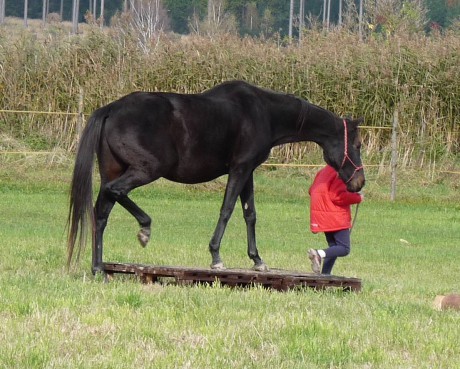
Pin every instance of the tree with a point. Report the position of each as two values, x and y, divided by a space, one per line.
218 20
26 8
388 17
144 21
443 12
251 17
180 13
2 11
75 11
266 25
45 10
102 13
246 16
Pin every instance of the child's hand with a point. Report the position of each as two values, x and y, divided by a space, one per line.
362 196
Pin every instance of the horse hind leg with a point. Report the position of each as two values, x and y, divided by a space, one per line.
142 218
249 214
102 209
119 189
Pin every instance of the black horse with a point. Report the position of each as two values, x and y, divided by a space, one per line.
229 129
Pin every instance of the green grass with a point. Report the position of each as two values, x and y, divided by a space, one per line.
405 252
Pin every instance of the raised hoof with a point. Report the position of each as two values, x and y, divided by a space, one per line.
144 236
219 266
260 268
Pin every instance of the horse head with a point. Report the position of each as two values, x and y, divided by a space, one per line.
343 154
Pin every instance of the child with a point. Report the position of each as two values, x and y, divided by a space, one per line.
330 212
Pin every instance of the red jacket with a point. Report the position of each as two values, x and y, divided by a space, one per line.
330 202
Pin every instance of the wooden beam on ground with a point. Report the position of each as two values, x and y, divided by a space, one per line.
278 279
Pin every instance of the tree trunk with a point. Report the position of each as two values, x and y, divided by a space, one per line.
45 7
291 16
324 12
340 12
94 9
2 11
209 11
102 13
75 11
301 18
26 6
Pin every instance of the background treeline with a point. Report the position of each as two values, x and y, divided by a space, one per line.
251 16
417 76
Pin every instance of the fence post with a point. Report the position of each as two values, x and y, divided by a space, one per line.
394 153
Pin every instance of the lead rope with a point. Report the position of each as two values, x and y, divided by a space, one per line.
354 218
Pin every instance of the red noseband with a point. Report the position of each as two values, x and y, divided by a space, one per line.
345 153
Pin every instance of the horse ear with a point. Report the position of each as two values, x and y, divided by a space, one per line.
356 122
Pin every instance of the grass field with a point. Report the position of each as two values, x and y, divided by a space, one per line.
406 252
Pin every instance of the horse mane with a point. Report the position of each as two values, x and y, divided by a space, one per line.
304 106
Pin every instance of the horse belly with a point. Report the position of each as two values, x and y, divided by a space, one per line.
197 171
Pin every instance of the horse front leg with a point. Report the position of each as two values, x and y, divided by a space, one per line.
236 180
249 213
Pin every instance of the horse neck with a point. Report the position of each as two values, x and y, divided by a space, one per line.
318 123
284 118
298 120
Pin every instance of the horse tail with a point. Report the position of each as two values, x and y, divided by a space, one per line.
81 213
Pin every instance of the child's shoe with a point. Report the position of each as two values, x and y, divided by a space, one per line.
315 261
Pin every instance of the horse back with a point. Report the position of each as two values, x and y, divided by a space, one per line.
189 138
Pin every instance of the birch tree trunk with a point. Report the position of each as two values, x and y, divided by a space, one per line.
301 18
340 12
291 16
26 6
102 13
45 8
2 11
75 11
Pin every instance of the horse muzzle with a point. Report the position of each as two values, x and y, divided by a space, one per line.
356 182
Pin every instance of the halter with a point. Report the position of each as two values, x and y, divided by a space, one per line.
345 153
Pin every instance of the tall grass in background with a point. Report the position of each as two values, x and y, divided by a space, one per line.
418 76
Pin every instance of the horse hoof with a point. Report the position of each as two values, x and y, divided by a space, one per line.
95 270
144 236
219 266
260 268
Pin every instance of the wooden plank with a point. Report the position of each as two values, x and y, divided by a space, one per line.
277 279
